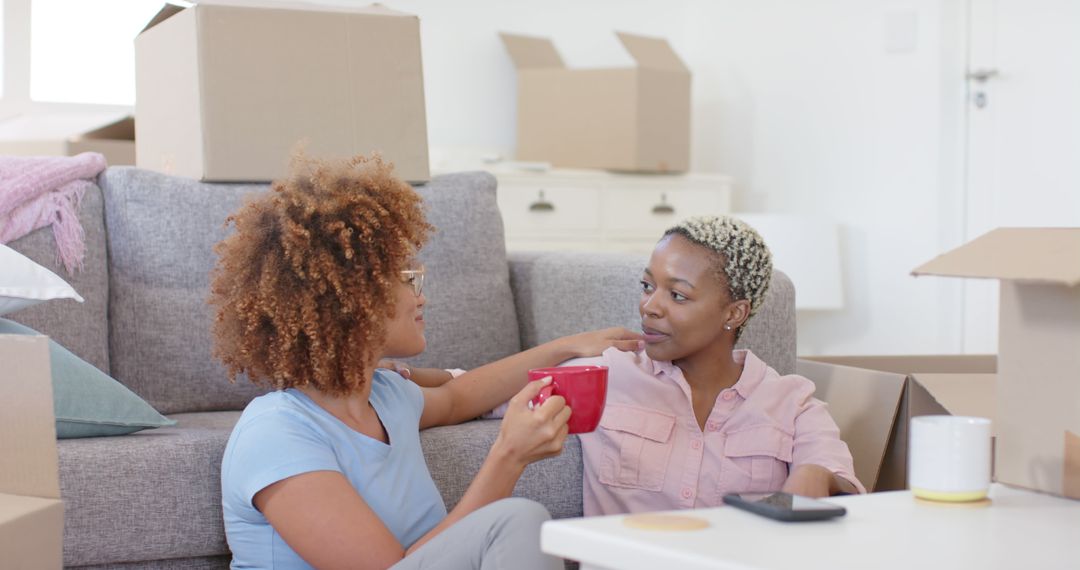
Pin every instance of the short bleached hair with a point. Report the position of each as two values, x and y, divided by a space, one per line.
742 260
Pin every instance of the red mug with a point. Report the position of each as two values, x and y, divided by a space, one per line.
583 387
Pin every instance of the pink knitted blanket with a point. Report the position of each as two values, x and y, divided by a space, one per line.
36 191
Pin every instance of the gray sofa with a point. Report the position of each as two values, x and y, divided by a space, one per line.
151 499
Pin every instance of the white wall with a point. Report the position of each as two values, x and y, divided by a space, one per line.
804 103
801 102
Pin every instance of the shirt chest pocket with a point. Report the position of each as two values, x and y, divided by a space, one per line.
637 445
755 460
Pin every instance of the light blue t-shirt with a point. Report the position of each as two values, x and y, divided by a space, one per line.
284 433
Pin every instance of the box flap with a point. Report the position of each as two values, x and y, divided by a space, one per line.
31 532
27 424
1072 465
912 364
864 404
306 6
530 52
120 130
55 126
652 53
963 394
171 9
167 11
1026 254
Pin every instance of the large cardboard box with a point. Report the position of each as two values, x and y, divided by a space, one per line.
31 514
227 90
68 134
873 398
633 119
1038 391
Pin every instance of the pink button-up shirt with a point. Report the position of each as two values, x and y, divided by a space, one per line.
650 454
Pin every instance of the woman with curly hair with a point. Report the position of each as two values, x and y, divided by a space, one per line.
691 418
318 282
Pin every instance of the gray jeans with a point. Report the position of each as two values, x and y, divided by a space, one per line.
504 534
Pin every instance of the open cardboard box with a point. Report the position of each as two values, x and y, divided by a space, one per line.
1038 390
31 513
68 134
632 119
227 90
873 398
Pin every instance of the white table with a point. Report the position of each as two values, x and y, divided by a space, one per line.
1019 530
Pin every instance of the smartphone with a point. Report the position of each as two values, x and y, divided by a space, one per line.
787 507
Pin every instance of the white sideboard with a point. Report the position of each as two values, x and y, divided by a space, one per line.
598 210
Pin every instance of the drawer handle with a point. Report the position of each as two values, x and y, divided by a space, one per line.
663 208
541 204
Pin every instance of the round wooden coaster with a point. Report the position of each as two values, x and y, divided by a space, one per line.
980 503
665 522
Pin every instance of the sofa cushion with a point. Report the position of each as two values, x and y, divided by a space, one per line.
149 495
157 494
162 230
80 327
24 283
86 401
470 308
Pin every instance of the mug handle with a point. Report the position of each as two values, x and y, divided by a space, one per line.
544 394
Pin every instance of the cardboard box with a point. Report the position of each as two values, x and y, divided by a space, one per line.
31 514
68 134
1038 392
633 119
227 91
873 398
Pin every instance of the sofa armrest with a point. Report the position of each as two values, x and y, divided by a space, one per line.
561 293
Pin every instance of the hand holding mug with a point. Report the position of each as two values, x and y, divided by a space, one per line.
583 387
533 432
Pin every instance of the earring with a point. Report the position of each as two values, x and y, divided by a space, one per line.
727 327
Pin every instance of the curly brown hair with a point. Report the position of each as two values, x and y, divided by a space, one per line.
304 288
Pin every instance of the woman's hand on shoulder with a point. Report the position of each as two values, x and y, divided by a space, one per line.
399 367
426 377
594 343
531 433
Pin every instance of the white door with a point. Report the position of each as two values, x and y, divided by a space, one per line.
1023 110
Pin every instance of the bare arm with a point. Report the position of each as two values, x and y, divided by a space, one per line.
484 388
322 517
811 480
424 377
324 520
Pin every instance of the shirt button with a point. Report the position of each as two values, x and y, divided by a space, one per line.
686 493
728 395
695 444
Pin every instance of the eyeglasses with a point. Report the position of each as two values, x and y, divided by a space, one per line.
415 278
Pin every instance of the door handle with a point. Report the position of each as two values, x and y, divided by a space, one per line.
982 75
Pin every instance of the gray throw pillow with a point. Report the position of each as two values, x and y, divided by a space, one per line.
88 402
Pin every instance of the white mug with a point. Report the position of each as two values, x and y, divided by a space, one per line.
949 458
